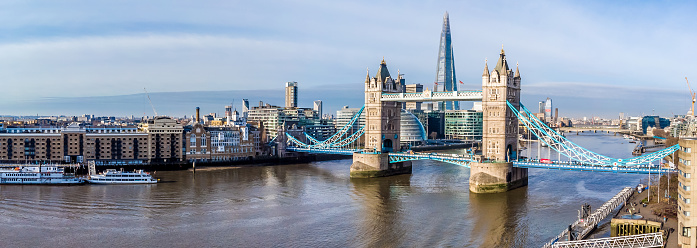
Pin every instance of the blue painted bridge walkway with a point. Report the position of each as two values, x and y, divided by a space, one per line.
465 160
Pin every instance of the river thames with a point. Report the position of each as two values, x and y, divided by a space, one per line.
311 205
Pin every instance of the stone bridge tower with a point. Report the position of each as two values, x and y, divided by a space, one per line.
495 172
381 118
382 130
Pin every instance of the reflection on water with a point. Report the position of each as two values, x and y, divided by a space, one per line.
495 219
379 216
308 205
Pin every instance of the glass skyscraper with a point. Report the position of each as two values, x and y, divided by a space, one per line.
445 76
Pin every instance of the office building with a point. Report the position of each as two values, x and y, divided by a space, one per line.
463 124
412 132
317 106
548 110
653 121
344 116
322 129
273 117
445 74
291 94
245 108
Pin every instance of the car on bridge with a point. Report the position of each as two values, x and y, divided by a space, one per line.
545 161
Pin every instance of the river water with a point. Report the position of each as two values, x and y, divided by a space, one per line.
310 205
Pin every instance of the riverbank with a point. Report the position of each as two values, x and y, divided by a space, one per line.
254 162
634 204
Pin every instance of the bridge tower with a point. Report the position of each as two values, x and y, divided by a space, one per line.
382 120
495 173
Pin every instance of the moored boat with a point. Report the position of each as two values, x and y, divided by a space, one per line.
112 176
37 174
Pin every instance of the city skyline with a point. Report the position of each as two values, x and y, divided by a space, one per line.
632 59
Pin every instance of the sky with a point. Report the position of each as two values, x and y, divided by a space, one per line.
593 58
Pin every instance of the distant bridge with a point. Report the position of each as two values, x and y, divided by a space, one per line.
608 129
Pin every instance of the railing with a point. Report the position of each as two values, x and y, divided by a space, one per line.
457 159
324 151
640 240
591 167
592 220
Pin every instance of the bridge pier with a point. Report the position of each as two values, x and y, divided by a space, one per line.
369 165
496 177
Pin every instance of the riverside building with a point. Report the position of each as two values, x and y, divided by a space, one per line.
463 124
156 141
222 143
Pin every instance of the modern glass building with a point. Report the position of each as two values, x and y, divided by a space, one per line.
548 110
411 131
463 124
654 121
445 74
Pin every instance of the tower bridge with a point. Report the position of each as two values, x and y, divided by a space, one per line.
375 147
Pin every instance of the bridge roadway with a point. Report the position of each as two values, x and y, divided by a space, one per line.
464 160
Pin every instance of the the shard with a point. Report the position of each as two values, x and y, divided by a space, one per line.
445 76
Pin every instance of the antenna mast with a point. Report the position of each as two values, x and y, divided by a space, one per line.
153 106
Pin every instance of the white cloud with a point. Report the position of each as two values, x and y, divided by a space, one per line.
75 48
122 65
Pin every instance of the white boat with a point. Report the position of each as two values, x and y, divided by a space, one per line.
36 174
112 176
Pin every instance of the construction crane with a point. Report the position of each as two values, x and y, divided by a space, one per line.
153 106
692 92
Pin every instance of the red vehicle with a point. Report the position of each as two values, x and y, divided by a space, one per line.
545 161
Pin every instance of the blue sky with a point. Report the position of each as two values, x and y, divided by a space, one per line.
593 58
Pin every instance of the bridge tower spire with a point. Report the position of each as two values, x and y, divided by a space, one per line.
382 129
495 172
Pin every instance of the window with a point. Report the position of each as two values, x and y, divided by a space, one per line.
193 140
686 213
687 175
203 139
686 231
